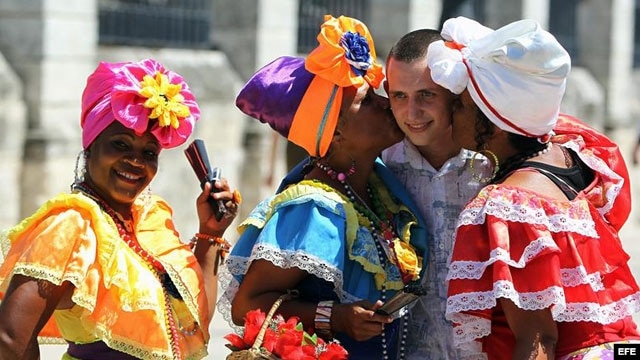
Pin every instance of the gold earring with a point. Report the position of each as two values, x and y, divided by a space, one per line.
486 153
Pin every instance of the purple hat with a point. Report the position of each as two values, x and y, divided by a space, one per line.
287 77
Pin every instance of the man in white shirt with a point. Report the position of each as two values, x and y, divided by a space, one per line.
437 174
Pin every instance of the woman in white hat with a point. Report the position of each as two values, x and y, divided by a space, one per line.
537 269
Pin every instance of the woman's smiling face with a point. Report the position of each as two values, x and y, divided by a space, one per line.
121 164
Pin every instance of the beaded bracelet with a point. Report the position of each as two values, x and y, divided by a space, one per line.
322 320
213 240
217 241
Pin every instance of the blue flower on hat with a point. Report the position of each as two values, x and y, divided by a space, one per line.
357 52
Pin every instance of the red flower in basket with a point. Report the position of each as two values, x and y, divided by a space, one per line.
285 339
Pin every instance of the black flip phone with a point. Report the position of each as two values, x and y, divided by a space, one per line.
197 155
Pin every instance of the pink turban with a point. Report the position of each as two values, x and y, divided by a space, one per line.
135 94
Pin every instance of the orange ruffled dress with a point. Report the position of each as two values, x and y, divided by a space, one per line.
118 297
542 253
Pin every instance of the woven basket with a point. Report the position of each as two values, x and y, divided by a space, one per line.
256 352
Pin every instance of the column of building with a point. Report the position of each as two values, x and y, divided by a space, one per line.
51 46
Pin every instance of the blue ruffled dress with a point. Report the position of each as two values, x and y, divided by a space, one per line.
313 227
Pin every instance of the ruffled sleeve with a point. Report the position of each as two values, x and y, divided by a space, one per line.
538 253
70 239
55 244
317 214
312 227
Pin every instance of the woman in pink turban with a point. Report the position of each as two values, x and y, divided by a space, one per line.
103 267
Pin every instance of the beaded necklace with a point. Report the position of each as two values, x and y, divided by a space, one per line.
512 163
156 266
382 241
127 235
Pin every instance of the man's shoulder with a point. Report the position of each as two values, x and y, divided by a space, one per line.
393 152
403 152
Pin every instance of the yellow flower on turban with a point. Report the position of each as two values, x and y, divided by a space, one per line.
164 100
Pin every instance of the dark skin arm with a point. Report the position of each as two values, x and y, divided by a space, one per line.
265 282
25 309
209 255
535 331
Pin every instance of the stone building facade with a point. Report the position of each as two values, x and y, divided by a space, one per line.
48 47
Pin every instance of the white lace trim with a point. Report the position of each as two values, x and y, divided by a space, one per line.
508 211
228 287
504 289
579 276
601 314
469 329
235 265
474 269
472 327
569 277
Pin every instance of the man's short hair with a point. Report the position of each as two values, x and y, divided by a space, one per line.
413 45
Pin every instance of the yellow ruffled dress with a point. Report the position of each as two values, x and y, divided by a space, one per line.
118 297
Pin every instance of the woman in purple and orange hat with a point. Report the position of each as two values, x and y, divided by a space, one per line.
341 231
103 267
537 270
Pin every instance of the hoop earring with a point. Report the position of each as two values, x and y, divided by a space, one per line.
486 153
81 168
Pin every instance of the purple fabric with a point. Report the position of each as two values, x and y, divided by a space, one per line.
273 93
96 351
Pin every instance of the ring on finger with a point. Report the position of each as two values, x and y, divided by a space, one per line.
237 197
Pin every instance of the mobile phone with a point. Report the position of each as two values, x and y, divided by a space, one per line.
196 153
401 299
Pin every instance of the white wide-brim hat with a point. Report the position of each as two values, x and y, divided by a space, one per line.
516 74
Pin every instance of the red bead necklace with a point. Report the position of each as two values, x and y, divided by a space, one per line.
127 236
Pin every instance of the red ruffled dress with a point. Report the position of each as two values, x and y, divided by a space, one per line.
542 253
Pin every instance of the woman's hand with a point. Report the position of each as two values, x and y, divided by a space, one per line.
206 215
359 319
